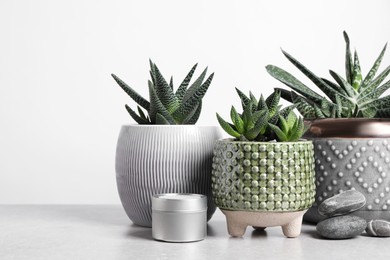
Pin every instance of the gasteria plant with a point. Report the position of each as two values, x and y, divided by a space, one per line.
165 106
349 97
263 120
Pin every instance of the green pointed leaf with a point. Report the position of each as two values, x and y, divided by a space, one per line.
226 126
194 86
141 113
253 98
171 83
348 60
285 112
190 103
195 116
376 93
348 89
157 107
357 73
244 99
165 92
304 106
336 87
180 92
272 102
283 124
137 118
289 80
132 93
261 105
291 119
330 92
258 128
383 113
161 120
318 112
152 72
297 131
247 116
279 133
371 74
237 121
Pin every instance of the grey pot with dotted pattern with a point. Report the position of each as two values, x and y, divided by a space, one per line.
353 163
263 184
352 153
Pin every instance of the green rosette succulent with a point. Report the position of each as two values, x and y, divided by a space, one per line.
166 106
263 120
352 96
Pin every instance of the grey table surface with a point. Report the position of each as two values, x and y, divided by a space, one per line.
104 232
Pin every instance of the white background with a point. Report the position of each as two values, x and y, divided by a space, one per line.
61 111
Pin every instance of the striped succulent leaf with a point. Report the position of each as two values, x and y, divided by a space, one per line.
353 96
166 106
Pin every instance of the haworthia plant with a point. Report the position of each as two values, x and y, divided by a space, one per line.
352 96
263 120
165 106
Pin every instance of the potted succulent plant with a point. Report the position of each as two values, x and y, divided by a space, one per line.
265 175
350 129
166 152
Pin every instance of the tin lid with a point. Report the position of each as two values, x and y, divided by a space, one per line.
179 202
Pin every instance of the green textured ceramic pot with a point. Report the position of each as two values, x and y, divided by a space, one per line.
263 177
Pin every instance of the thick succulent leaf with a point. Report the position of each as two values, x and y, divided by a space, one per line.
369 112
161 120
383 113
371 74
152 72
253 98
329 91
297 131
190 103
272 102
258 115
165 92
326 109
318 112
237 121
244 99
287 110
141 113
357 73
351 92
348 60
377 81
376 93
171 83
335 87
381 103
289 80
285 94
194 86
137 118
247 116
180 92
261 105
304 106
279 133
339 107
291 119
157 107
258 128
193 118
227 127
283 124
132 93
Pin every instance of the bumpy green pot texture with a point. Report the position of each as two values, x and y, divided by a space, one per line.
263 176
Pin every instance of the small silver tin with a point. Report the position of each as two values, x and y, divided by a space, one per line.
179 217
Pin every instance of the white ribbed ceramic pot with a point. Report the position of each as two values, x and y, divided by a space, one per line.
155 159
